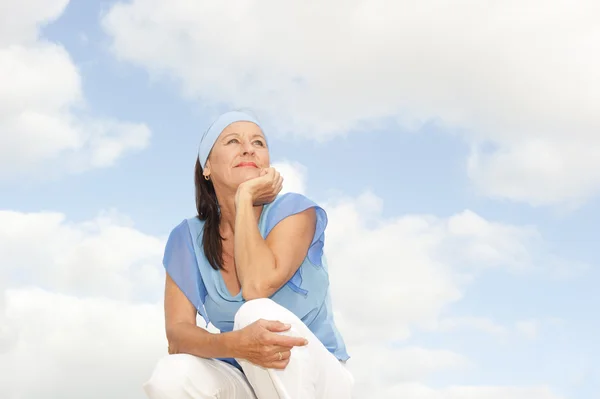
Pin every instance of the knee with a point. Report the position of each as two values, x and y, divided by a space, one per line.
169 377
262 308
175 376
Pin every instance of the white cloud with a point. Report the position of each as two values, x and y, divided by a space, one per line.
427 262
294 176
42 121
414 268
80 306
21 19
529 329
420 391
79 347
473 323
85 291
403 364
522 82
101 257
377 368
541 170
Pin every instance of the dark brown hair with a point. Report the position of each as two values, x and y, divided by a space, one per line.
208 211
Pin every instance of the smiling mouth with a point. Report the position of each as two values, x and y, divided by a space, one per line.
246 165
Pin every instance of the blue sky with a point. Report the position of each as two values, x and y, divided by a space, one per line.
512 265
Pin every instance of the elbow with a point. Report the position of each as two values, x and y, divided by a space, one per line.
255 290
173 347
253 295
173 333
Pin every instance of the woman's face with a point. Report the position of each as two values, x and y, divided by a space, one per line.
238 155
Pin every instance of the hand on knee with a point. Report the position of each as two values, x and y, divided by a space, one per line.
262 343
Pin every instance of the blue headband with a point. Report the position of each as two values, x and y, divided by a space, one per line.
208 139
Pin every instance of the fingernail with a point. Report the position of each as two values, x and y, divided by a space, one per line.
305 342
287 325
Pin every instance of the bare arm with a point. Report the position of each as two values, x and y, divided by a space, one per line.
183 335
265 265
259 342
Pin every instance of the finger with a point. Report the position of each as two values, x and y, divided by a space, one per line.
277 190
286 353
286 340
276 326
271 176
279 184
273 351
276 177
276 181
270 171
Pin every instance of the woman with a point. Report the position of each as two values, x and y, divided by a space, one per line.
251 263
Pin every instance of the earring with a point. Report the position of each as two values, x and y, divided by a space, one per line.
206 177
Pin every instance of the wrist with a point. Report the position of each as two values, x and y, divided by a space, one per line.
242 195
230 341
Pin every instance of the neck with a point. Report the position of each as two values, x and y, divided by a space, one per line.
228 212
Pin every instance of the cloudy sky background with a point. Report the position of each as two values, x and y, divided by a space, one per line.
455 145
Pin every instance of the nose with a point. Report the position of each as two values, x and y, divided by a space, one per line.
247 148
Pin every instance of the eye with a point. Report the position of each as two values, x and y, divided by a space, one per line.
259 142
233 141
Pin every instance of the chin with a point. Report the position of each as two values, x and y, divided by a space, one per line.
248 174
246 178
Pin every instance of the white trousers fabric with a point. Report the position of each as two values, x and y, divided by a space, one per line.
312 373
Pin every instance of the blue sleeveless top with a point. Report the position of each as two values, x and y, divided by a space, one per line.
306 294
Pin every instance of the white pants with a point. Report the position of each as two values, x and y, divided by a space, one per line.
313 372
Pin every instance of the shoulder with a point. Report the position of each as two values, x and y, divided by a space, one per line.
185 230
184 241
178 234
181 228
292 202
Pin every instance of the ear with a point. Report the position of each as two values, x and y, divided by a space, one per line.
206 169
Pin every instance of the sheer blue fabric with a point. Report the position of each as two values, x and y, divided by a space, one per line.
180 263
291 204
306 294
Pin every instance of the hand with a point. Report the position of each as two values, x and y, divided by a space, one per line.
262 189
260 344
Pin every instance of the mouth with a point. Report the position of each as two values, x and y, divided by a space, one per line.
246 165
